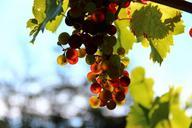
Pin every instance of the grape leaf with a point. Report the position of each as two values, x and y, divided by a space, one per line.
168 17
137 117
160 48
139 82
159 112
48 14
147 22
125 37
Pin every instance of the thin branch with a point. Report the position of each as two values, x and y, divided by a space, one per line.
178 4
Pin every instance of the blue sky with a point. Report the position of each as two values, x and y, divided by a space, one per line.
19 59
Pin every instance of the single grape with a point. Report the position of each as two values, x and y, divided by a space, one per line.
126 4
111 105
126 73
75 41
82 52
94 102
63 38
121 51
125 81
98 16
105 95
90 59
61 60
73 61
111 29
120 96
71 54
112 7
95 88
115 82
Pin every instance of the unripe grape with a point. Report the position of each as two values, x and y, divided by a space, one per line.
95 88
71 54
121 51
115 61
111 105
125 81
63 38
82 52
94 102
61 60
90 59
190 32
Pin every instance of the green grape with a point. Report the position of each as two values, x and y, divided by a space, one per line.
121 51
115 61
90 59
63 38
109 40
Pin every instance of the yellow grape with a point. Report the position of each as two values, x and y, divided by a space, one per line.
94 102
61 60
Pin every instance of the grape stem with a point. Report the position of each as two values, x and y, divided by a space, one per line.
177 4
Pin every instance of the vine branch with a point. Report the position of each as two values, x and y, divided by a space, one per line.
178 4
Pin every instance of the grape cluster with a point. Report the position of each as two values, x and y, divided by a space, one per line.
94 38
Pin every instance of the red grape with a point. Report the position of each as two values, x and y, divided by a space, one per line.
95 88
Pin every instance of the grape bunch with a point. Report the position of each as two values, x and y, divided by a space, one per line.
93 38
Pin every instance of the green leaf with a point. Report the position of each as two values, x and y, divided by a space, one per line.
49 14
138 83
147 22
159 112
160 48
137 117
39 7
32 23
138 75
125 36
